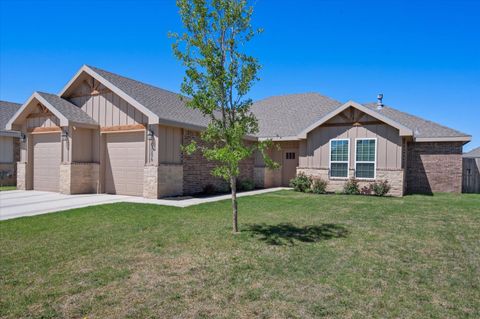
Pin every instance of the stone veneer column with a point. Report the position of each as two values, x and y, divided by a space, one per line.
22 176
162 181
150 181
79 178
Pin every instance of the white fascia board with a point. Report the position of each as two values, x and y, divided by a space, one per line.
444 139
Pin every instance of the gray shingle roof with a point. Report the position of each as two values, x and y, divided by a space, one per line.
71 112
167 105
473 153
7 110
278 116
422 128
288 115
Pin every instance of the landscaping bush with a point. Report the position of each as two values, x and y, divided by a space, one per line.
301 183
319 186
380 188
209 189
351 187
245 185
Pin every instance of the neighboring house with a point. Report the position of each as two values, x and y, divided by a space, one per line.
471 171
109 134
9 145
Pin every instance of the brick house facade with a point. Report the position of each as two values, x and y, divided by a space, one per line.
106 133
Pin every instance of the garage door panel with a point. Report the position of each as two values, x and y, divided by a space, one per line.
125 154
46 162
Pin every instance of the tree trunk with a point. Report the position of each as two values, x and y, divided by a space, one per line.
233 186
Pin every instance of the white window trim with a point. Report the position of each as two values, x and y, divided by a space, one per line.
367 162
330 159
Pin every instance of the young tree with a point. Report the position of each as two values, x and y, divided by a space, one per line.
217 79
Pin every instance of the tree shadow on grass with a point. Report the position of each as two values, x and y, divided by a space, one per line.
287 234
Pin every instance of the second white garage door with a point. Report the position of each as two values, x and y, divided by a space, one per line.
46 162
125 160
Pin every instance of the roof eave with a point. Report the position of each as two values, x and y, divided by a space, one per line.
465 139
279 138
35 95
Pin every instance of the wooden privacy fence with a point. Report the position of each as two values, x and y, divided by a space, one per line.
471 175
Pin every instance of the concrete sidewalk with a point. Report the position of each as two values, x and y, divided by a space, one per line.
17 203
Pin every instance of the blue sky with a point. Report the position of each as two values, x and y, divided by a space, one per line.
423 55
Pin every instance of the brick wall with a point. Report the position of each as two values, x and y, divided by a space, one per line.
197 170
434 167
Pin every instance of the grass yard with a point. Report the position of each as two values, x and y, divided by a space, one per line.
7 188
298 256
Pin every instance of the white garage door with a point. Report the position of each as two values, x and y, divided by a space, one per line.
46 162
125 160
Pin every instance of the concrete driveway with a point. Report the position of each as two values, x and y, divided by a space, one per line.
28 203
15 204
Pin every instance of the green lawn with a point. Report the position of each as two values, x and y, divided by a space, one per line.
298 256
7 188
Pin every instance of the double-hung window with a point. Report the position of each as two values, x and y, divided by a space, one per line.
339 156
365 158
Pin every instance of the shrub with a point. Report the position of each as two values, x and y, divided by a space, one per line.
319 186
380 188
245 185
209 189
351 187
301 183
366 190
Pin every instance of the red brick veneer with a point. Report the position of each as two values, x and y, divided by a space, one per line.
434 167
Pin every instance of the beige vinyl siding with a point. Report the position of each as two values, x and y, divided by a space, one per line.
169 145
6 149
82 145
107 108
47 121
314 152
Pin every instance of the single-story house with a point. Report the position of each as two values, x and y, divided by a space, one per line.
471 171
105 133
9 145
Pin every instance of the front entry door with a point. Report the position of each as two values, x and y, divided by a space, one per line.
289 165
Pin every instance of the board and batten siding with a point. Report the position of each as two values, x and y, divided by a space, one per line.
106 107
83 145
315 150
6 149
45 121
169 144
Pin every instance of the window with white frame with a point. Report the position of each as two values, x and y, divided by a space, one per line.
339 155
365 158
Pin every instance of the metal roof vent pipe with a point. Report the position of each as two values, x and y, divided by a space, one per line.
379 101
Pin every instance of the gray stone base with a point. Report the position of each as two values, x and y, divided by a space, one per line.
79 178
163 181
394 177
